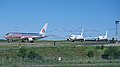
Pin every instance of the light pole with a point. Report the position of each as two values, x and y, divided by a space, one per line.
116 22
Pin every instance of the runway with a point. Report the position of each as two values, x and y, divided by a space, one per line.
61 43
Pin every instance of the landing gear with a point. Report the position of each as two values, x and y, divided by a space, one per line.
72 40
106 40
23 41
31 41
82 40
10 40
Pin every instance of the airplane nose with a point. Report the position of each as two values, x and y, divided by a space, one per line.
5 36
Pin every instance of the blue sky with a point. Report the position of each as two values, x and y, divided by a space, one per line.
65 17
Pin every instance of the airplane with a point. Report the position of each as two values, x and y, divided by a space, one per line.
80 37
31 37
102 38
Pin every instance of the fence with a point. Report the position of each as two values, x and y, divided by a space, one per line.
23 62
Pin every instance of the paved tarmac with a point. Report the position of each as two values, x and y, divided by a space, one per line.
63 43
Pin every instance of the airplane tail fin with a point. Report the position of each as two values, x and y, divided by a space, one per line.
81 33
43 30
106 33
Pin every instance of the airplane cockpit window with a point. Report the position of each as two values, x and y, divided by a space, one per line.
8 34
71 36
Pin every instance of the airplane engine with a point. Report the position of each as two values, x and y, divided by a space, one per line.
30 39
68 39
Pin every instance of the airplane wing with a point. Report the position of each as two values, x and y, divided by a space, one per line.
91 37
31 38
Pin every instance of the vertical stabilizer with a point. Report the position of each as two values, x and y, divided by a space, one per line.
43 30
82 33
106 33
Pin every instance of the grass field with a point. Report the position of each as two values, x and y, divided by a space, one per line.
48 52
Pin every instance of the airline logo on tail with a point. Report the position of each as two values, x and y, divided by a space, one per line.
43 30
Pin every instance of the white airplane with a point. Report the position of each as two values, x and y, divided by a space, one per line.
12 36
80 37
102 38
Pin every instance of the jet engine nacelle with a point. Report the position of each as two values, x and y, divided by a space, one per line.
30 39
